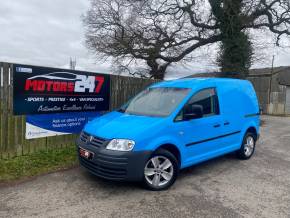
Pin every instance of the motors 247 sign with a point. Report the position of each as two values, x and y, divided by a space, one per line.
41 90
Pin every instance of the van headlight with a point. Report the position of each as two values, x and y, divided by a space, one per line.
120 145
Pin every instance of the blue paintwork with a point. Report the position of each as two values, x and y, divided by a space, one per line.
237 98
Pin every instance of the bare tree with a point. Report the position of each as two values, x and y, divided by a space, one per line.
233 19
136 30
161 32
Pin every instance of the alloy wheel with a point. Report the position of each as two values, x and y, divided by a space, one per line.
249 146
158 171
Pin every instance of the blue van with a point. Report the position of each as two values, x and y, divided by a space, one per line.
169 126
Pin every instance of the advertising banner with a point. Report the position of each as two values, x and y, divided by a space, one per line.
42 90
44 125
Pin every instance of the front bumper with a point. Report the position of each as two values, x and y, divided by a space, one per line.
114 165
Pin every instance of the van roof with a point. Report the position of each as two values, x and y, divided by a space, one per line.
193 82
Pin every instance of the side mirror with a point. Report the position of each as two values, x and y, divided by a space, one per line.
193 112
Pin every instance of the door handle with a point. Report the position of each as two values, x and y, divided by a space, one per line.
217 125
226 123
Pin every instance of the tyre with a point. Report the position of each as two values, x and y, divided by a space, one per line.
248 146
160 171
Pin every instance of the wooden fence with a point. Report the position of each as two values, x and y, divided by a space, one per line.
12 130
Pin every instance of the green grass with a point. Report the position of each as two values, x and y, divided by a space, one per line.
37 163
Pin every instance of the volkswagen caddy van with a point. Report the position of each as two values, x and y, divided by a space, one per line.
169 126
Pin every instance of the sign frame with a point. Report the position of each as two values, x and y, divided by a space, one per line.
46 90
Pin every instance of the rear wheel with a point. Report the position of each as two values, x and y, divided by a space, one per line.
248 147
160 171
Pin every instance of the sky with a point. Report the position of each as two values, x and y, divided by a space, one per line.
49 32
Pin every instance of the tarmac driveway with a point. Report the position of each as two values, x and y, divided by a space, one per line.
224 187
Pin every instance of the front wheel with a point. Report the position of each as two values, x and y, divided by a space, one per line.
160 171
248 147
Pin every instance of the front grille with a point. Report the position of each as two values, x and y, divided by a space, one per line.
96 141
105 171
84 137
92 140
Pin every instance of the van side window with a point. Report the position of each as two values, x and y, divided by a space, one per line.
208 99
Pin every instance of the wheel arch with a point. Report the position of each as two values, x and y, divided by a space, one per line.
252 130
172 149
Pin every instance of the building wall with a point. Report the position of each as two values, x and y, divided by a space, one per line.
277 97
271 88
262 86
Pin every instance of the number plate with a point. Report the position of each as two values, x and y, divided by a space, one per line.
86 154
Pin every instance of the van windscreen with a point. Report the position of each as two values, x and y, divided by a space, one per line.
160 101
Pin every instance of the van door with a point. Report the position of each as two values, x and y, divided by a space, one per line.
203 137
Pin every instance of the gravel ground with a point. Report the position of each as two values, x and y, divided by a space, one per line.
223 187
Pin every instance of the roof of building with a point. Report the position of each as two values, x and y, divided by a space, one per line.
268 71
212 74
192 82
252 72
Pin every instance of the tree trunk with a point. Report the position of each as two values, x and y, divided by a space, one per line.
236 49
157 71
236 54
